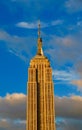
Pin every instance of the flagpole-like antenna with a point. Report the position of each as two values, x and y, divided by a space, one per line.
39 28
39 51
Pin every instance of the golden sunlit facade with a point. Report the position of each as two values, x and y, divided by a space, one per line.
40 102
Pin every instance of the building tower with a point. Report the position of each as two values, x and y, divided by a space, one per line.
40 102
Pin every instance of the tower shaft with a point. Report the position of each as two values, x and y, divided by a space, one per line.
40 96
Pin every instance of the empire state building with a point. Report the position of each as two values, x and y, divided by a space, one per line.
40 101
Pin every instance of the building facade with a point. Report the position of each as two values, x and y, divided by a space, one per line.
40 102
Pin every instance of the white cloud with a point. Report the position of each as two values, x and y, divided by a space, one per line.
26 25
34 25
70 77
15 96
64 75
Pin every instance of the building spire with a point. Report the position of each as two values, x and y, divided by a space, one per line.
39 29
39 51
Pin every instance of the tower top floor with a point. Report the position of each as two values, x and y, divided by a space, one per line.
39 58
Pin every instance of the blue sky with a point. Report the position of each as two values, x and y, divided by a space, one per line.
61 31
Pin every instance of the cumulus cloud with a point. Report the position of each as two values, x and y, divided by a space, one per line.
69 107
13 106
